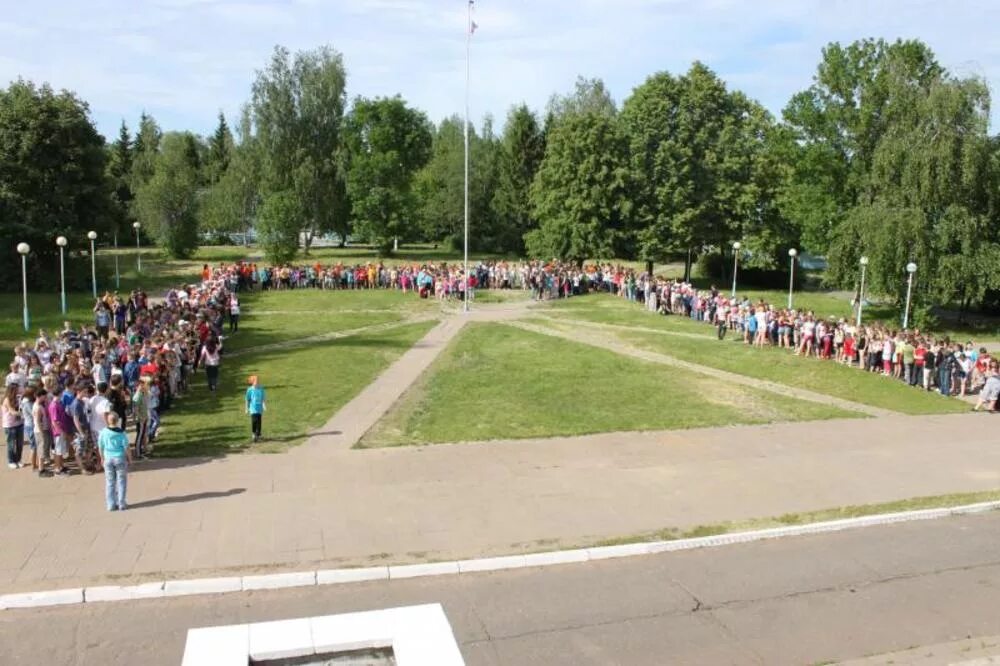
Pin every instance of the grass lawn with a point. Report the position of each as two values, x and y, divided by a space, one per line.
275 316
305 387
496 381
605 309
783 367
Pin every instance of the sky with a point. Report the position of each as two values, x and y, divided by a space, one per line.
184 61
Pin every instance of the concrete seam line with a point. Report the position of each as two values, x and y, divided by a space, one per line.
283 580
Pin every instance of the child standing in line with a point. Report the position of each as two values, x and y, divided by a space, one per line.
255 406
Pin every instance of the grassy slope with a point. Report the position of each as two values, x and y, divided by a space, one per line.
496 381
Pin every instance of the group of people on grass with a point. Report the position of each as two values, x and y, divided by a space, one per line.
916 358
90 398
441 280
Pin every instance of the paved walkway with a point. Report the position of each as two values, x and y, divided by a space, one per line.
325 504
596 338
331 506
807 600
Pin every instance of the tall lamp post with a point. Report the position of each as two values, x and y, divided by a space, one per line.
736 264
792 253
23 249
861 294
138 250
911 268
61 242
92 235
118 279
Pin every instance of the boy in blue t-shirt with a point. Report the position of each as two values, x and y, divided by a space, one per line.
255 406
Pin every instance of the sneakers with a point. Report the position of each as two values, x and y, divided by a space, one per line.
11 465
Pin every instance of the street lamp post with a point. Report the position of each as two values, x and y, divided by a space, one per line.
23 249
736 264
792 253
61 242
911 268
92 235
861 294
118 279
138 250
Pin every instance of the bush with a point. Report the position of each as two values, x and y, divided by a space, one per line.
720 268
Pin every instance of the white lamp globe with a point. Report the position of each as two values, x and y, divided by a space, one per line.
61 241
736 245
793 252
92 235
911 267
864 261
23 248
136 225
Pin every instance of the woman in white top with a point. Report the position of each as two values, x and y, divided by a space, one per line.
211 357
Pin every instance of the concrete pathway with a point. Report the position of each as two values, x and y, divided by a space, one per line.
325 505
807 600
597 338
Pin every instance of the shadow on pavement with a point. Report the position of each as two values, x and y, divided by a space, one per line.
193 497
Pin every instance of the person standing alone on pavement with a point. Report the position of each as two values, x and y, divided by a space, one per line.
115 458
255 406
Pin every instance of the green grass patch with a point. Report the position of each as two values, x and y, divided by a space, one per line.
604 309
783 367
807 517
496 381
305 387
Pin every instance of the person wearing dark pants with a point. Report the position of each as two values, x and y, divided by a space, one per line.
255 406
211 356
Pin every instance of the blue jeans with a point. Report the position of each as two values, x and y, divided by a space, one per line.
115 482
944 381
15 443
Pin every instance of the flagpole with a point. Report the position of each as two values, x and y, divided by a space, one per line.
468 48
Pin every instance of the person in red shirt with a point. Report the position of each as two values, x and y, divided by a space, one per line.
848 357
919 356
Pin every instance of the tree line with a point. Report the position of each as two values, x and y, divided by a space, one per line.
886 155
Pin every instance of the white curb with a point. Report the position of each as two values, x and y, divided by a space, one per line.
336 576
278 581
47 598
180 588
419 570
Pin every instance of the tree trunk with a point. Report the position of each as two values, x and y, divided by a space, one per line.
687 267
649 268
308 241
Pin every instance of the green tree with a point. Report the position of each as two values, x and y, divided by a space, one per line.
298 107
439 187
838 123
698 168
387 143
120 174
230 205
519 155
167 203
580 193
930 197
220 151
53 177
144 151
278 227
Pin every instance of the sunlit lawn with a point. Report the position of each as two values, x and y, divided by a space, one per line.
783 367
305 386
496 381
